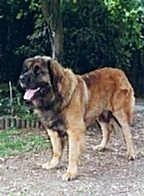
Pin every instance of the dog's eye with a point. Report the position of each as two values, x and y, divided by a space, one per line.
36 69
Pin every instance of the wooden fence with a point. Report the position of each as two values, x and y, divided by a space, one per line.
15 122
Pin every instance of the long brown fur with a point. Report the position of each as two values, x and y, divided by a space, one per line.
84 99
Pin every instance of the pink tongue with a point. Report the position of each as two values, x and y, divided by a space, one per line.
30 93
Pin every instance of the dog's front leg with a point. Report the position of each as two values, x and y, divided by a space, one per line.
76 139
57 150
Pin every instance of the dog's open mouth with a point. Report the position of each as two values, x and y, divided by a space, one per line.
29 94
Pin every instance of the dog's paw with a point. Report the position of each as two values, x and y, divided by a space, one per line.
69 176
52 164
131 156
48 166
99 148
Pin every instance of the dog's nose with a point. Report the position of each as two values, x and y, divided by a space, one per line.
22 81
21 78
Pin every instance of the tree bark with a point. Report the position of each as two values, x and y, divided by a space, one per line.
52 14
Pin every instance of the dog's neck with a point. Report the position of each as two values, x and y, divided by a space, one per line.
68 88
44 105
52 120
50 114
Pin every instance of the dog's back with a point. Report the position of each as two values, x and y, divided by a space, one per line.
111 100
109 89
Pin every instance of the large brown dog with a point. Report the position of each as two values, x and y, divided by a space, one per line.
67 103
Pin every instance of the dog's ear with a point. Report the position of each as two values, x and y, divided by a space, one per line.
56 74
26 64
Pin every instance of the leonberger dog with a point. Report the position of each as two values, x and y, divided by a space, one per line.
68 103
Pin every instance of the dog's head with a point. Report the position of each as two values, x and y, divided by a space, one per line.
41 77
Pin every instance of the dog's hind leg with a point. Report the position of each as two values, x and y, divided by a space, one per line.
56 142
122 118
105 136
104 122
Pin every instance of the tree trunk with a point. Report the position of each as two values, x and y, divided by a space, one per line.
52 14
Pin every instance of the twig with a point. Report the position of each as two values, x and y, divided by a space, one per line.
11 96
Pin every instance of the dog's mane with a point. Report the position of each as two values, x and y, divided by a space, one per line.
69 86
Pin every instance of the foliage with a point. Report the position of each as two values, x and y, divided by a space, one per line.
37 41
97 33
18 107
14 20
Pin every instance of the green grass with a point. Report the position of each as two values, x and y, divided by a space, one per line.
14 142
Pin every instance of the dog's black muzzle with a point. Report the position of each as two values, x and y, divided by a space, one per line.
27 81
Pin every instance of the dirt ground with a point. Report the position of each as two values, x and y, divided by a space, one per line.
101 174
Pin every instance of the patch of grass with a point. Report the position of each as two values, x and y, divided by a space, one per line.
14 142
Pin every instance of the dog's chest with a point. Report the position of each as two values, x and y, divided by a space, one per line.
52 120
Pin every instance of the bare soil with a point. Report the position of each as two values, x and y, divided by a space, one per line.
105 173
